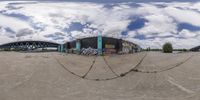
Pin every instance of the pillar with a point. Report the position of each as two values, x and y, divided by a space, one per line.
61 48
99 44
66 47
78 46
58 48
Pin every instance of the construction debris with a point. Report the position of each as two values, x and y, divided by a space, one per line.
89 51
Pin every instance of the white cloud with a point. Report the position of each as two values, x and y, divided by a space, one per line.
13 23
187 34
187 16
131 34
158 24
161 25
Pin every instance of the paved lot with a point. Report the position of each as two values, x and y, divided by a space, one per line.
55 76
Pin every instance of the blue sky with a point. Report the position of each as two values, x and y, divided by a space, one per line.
147 23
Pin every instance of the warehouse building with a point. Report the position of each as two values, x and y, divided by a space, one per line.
195 49
102 45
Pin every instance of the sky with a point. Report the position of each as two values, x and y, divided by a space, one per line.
113 1
147 23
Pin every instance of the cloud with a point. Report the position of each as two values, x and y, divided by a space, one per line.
187 34
183 15
187 26
24 32
158 24
13 23
147 24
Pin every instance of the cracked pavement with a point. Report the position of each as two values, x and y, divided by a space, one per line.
38 76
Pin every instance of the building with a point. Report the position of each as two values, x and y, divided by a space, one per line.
195 49
103 45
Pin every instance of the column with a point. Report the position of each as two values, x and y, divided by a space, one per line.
78 46
61 48
99 44
58 48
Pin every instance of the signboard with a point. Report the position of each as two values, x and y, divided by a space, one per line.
109 46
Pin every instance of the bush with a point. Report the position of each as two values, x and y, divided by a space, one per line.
167 48
185 50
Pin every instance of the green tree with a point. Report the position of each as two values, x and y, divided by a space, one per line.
167 48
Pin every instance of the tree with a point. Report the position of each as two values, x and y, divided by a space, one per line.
167 48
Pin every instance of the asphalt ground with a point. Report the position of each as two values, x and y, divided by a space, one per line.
139 76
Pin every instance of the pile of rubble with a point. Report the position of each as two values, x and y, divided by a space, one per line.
89 51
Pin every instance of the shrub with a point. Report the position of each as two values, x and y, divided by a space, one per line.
185 50
167 48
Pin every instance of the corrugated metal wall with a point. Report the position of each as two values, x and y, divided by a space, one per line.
70 45
89 42
110 45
